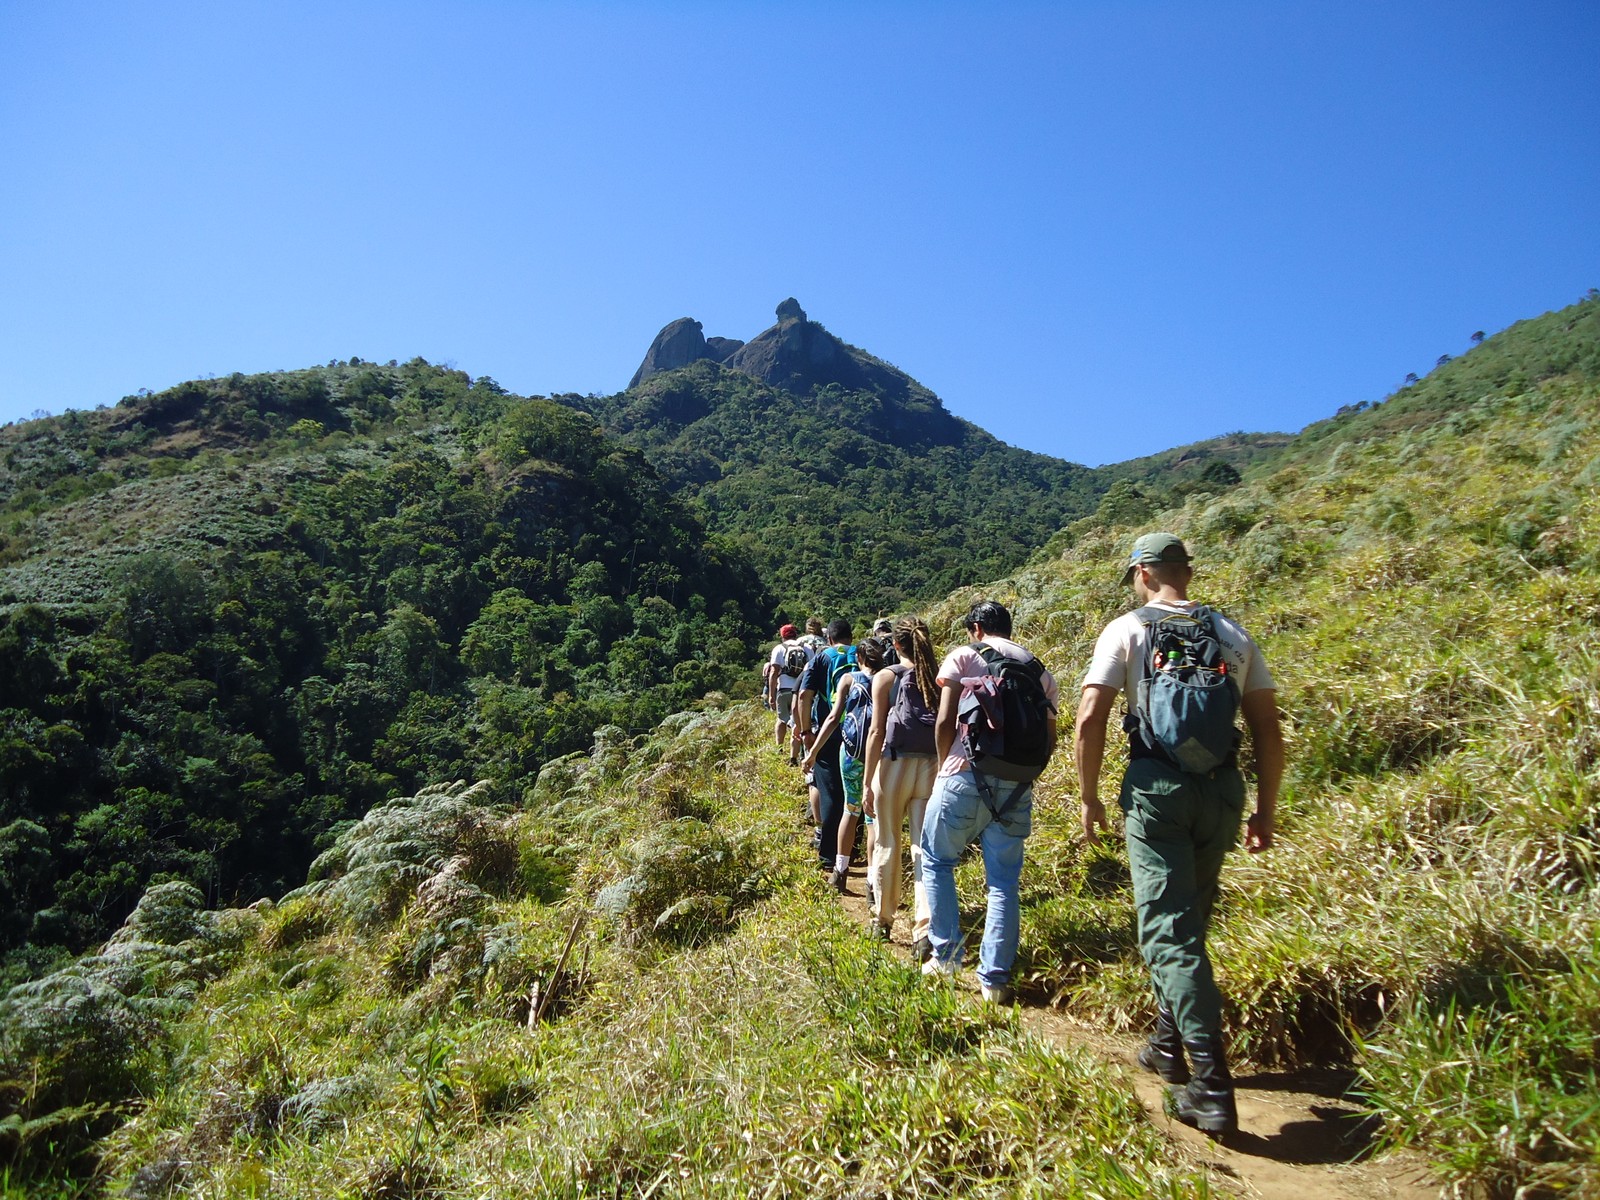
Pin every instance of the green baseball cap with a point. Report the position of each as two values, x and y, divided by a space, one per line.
1155 548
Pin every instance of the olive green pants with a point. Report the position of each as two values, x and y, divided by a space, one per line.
1180 827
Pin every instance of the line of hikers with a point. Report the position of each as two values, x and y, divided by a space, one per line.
894 739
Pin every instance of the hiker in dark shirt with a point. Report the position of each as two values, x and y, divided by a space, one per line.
817 685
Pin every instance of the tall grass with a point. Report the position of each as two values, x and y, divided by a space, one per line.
1429 600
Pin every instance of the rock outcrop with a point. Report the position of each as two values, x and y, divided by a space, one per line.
796 354
678 345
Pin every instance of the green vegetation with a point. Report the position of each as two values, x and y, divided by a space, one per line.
624 979
1425 580
417 1021
869 501
229 631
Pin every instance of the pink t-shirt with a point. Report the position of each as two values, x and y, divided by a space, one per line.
966 663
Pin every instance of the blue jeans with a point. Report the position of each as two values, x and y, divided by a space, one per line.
998 813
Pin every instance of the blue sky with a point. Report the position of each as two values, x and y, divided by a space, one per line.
1096 229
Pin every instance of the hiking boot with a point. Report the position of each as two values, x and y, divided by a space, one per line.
1207 1102
1002 994
837 880
881 932
1163 1054
923 949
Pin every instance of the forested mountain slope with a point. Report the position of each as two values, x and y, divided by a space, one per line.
237 613
846 481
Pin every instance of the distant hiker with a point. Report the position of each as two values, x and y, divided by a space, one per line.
819 683
814 642
995 731
851 716
784 666
883 630
899 774
1183 670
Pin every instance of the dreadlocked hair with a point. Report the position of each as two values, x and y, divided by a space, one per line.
915 646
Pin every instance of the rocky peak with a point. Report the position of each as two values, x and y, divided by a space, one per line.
677 345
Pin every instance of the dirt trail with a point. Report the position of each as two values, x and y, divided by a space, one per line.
1298 1138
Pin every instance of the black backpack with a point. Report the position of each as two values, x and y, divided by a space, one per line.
909 729
795 659
1007 729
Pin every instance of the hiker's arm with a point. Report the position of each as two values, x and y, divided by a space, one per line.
772 685
944 726
1089 746
1266 739
802 712
835 715
882 686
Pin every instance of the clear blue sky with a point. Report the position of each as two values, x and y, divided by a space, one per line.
1096 229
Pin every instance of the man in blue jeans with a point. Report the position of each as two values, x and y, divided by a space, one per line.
990 803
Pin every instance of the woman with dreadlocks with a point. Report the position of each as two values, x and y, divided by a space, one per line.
900 768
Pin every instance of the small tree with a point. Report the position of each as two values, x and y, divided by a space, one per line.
1477 337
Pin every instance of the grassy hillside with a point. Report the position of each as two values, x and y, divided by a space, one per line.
632 985
1425 579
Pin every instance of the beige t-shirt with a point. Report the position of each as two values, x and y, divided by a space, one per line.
1119 653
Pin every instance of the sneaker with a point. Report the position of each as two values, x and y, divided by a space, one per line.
999 993
940 970
837 880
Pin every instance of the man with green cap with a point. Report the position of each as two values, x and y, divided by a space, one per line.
1183 671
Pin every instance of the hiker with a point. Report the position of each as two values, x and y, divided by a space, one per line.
899 774
1183 671
994 733
784 665
818 684
850 715
883 630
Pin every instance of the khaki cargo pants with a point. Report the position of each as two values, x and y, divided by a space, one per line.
1180 827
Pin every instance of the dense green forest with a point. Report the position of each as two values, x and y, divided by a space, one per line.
238 613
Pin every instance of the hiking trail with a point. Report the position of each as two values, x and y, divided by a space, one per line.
1299 1137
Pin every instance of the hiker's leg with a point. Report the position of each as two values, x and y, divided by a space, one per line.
830 805
851 773
1218 812
955 816
1158 805
916 810
889 793
1003 839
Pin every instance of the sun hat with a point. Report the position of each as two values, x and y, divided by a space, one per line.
1155 548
